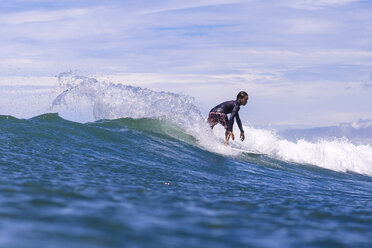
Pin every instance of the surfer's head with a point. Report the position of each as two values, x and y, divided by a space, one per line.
242 98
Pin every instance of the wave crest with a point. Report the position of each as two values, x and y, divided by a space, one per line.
115 101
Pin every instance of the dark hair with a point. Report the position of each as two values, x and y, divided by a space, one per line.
241 94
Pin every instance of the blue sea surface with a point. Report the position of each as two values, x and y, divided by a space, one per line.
128 183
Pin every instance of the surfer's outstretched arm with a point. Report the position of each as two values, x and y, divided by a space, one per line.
239 122
229 130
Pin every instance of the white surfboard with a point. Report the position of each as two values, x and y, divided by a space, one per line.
247 151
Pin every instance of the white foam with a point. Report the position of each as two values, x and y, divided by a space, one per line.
87 99
113 101
338 154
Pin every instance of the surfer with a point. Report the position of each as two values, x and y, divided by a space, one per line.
219 113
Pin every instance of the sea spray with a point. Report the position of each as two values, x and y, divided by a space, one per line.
114 101
338 154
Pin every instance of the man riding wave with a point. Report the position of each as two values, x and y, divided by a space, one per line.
219 115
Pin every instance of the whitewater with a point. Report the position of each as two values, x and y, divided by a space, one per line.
111 101
88 163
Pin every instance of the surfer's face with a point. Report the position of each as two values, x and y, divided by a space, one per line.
243 101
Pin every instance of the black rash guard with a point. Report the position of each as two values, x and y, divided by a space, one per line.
227 108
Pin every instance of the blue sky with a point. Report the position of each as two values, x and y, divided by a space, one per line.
302 62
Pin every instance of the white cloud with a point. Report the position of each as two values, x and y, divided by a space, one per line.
37 16
318 4
309 26
178 5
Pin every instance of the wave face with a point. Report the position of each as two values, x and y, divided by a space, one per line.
148 172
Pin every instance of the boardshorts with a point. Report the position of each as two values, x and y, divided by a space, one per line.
217 117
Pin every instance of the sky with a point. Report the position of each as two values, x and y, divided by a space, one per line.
302 62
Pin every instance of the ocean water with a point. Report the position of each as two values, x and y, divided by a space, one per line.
146 171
